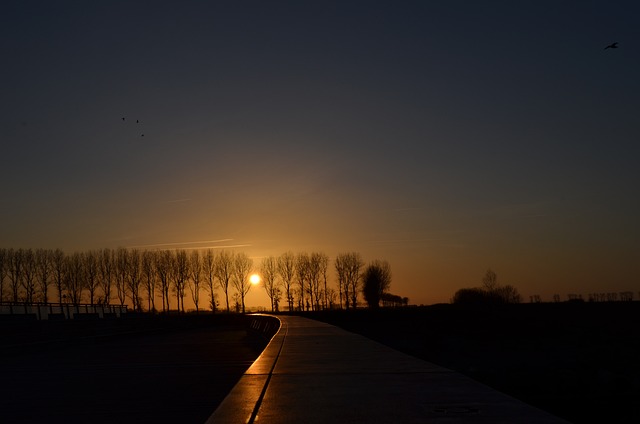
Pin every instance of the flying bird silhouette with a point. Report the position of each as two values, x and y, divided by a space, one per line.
612 46
123 119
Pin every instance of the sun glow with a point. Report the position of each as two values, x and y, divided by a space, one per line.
254 279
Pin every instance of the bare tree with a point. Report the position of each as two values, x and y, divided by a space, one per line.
354 277
195 277
163 262
106 273
134 278
15 273
210 271
224 267
74 281
59 272
317 266
4 267
122 273
287 271
302 274
269 271
91 271
242 266
180 275
332 296
348 267
324 266
28 278
490 281
44 268
341 271
149 278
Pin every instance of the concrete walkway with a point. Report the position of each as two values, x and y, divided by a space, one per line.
312 372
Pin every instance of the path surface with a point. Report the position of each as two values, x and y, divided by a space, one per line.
313 372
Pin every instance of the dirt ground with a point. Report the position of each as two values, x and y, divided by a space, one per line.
125 371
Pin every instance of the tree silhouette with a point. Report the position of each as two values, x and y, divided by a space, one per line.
269 271
106 273
28 278
490 280
75 278
93 275
180 274
3 271
134 278
122 271
490 293
242 266
318 263
348 267
224 268
195 277
149 278
287 272
59 271
209 269
15 272
163 262
302 274
376 280
91 270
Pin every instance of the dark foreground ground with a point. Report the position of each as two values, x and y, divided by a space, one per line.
580 362
133 370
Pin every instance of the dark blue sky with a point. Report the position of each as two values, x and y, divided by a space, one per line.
445 136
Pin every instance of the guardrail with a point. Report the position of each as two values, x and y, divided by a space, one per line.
51 311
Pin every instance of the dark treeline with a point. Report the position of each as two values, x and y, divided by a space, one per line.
489 293
160 280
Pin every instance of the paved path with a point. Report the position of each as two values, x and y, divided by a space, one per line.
313 372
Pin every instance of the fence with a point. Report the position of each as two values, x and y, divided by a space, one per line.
46 311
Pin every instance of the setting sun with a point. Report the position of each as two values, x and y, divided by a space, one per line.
254 279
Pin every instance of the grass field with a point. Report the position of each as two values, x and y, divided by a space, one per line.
138 369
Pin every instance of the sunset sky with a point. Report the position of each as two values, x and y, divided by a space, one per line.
446 137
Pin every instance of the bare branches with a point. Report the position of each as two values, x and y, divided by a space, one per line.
302 274
149 278
163 268
269 271
195 276
224 271
91 270
106 273
348 267
209 269
137 277
287 271
242 267
180 274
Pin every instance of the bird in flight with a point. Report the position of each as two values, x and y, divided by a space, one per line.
612 46
123 119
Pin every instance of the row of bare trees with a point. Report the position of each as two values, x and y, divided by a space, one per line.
142 277
303 280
